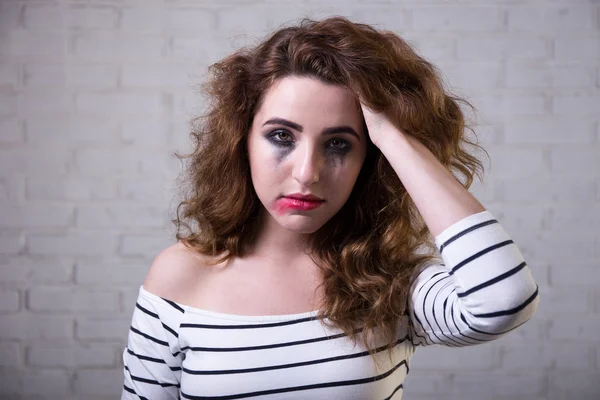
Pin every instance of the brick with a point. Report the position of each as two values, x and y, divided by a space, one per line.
112 273
10 16
46 102
508 46
575 160
92 162
570 356
36 216
145 133
29 326
555 189
204 50
497 107
558 301
190 20
566 217
235 21
576 384
159 165
45 382
38 46
536 329
574 328
9 75
108 46
523 217
81 243
93 75
10 355
465 358
475 76
93 382
73 356
374 14
12 189
522 162
102 329
41 75
563 246
121 103
549 130
441 18
146 191
119 216
34 383
144 245
148 19
8 104
75 130
575 274
23 271
11 130
89 18
581 47
11 243
70 189
499 383
550 19
65 299
158 75
436 49
578 104
31 160
44 17
545 75
129 298
9 301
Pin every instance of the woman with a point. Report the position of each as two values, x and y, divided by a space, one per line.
318 192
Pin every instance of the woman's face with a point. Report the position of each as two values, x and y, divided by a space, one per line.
306 138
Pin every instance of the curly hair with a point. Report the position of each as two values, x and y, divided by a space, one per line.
368 252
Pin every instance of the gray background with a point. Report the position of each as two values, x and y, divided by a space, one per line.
95 96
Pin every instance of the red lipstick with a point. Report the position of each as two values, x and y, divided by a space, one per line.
298 201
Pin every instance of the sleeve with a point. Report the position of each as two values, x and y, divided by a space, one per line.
152 358
480 290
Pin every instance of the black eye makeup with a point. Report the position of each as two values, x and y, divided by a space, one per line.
284 138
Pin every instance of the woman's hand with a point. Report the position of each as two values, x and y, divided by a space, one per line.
379 126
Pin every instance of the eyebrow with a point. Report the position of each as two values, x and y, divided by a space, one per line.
328 131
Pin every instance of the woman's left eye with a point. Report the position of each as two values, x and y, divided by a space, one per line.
339 144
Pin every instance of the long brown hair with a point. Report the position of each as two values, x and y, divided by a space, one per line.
369 250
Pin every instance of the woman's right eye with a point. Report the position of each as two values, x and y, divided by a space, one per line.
282 136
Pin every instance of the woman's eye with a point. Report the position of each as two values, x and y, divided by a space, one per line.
282 136
339 144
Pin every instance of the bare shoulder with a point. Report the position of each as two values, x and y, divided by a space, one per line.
175 272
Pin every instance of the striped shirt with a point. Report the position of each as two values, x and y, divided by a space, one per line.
479 290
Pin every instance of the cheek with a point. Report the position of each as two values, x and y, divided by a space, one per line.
266 164
344 169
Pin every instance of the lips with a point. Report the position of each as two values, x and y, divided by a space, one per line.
289 203
304 197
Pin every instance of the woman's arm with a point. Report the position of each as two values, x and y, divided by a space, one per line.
439 196
483 288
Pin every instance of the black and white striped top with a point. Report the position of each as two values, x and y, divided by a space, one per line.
479 290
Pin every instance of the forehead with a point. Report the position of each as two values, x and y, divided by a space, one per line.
307 99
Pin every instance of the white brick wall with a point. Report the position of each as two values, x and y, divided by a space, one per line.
95 98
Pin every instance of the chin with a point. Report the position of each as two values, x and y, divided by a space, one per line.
299 224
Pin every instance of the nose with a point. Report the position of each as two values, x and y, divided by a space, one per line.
307 165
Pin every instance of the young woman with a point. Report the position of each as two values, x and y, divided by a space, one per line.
326 235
